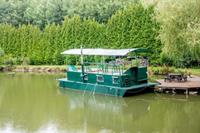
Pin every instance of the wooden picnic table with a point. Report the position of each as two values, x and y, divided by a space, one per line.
176 76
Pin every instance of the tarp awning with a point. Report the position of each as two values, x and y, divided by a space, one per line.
103 52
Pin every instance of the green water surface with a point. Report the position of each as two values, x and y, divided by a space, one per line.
33 103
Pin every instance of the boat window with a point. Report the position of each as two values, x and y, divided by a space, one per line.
85 77
115 80
100 78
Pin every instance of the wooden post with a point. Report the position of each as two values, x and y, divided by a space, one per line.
187 92
173 91
82 64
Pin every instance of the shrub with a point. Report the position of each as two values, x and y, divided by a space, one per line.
155 70
162 70
26 61
8 60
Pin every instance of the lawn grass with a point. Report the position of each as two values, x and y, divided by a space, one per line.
195 71
163 70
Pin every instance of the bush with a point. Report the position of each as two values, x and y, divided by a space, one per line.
162 70
8 60
26 61
155 70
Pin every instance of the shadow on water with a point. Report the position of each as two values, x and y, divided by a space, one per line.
34 103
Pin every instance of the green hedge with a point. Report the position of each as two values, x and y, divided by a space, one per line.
131 27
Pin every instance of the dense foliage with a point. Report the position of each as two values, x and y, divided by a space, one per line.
130 27
1 52
42 12
37 31
180 32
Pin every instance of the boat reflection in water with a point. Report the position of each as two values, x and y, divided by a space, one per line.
33 103
101 113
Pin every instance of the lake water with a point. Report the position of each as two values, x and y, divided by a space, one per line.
34 103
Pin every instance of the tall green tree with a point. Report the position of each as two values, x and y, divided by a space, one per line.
180 26
133 27
43 12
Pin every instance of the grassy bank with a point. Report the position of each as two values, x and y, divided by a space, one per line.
164 70
41 66
195 71
159 72
35 68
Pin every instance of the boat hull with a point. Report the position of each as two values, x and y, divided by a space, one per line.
104 89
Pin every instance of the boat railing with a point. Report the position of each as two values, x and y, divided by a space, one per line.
113 67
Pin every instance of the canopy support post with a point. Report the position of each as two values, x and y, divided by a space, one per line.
82 64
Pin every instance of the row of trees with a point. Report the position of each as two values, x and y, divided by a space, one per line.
130 27
37 31
43 12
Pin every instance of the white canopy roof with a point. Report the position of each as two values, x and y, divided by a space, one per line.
102 52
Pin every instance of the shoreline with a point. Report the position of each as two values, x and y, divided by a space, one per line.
60 69
34 69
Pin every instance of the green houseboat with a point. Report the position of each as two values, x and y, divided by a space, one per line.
121 72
